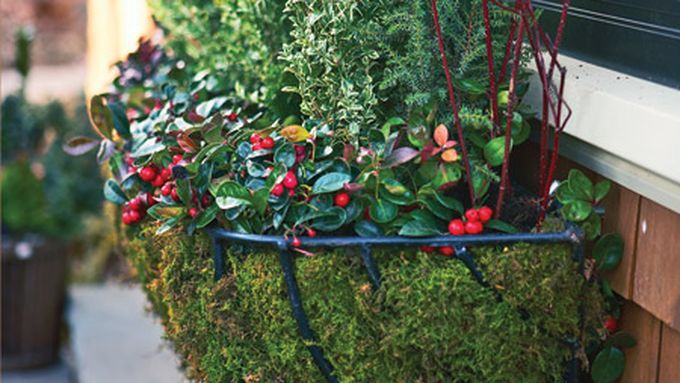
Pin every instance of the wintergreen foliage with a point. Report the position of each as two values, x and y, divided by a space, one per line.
429 322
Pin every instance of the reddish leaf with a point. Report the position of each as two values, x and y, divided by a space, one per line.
400 156
441 135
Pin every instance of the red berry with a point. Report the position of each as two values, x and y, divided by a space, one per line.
473 227
296 242
134 216
206 200
150 201
472 215
485 214
193 212
290 180
255 138
136 204
232 117
610 324
456 227
132 169
447 251
311 233
158 181
341 199
174 195
267 143
177 158
257 146
277 190
126 218
426 249
166 190
166 173
291 193
367 214
147 174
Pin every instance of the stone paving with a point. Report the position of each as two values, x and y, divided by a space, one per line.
114 339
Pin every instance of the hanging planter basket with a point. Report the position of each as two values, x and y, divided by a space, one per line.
464 253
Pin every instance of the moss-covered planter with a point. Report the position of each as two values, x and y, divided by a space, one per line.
430 321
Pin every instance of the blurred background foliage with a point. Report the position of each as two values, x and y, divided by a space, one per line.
45 191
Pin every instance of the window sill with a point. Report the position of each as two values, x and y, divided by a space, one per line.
625 128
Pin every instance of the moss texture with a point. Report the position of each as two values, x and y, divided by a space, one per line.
429 322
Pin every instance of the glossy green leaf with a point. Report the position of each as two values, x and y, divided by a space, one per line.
601 190
608 251
114 193
382 211
332 219
494 150
420 228
285 154
231 194
366 228
206 216
330 182
580 185
162 211
608 365
77 146
576 211
101 117
592 226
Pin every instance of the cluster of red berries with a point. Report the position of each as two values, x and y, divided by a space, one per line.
135 209
289 182
156 176
261 143
473 222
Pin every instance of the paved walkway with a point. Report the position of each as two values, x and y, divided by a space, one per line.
114 340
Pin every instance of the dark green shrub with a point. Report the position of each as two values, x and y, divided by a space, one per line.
430 321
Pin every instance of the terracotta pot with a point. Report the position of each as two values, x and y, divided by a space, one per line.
33 291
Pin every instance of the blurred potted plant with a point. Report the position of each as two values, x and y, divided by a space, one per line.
42 205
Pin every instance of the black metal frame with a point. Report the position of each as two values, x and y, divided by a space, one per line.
572 235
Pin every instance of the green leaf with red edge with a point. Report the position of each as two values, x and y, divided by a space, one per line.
101 116
77 146
608 251
608 365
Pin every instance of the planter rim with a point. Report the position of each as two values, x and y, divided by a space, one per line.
572 234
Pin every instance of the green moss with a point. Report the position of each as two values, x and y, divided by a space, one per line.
429 322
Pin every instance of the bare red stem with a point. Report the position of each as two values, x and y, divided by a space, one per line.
452 100
493 93
517 52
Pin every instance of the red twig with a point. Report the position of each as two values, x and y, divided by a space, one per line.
452 100
517 52
493 93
